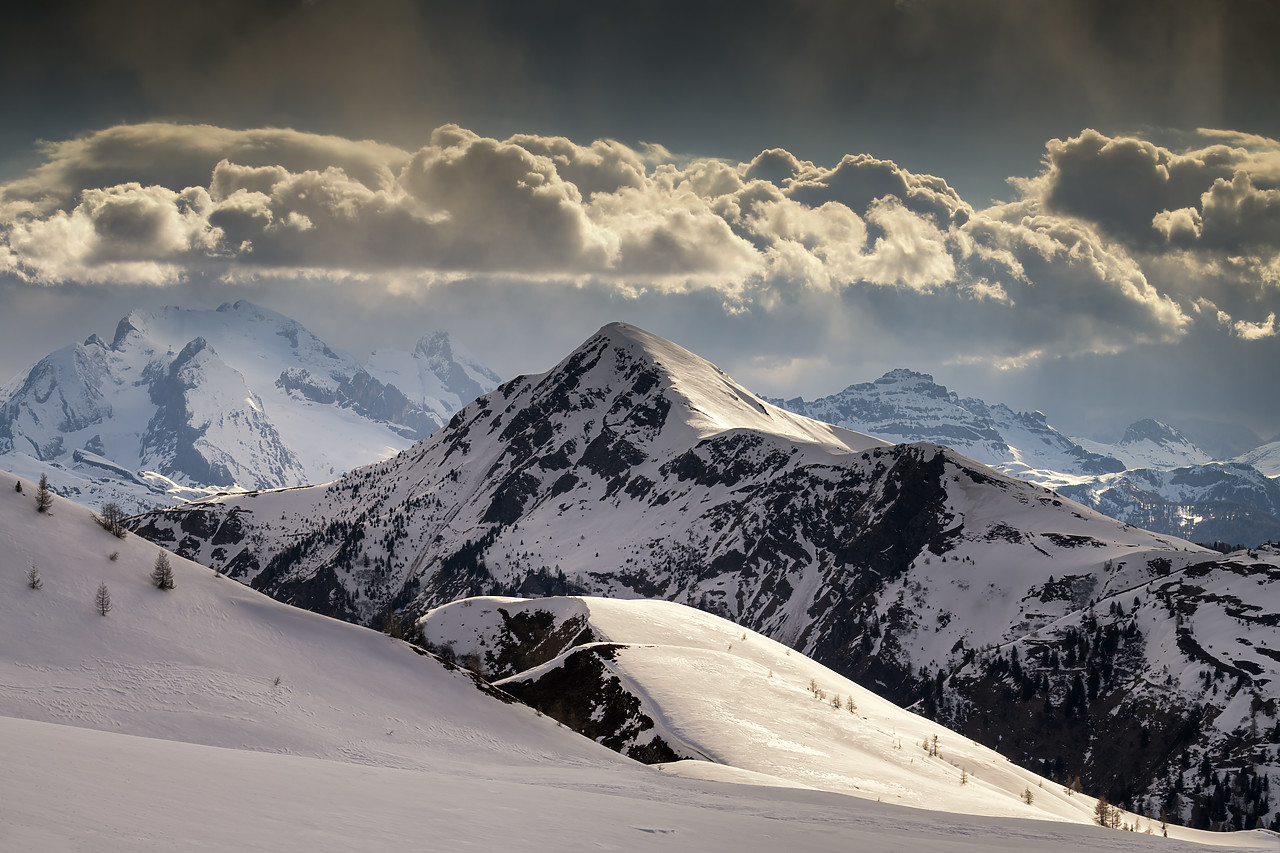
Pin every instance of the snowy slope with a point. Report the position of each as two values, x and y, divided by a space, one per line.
1265 458
213 662
183 403
209 717
719 692
64 789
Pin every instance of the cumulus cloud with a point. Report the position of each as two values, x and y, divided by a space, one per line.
1256 331
1223 195
1202 224
1117 243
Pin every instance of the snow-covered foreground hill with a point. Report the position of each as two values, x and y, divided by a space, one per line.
72 789
707 689
187 402
210 717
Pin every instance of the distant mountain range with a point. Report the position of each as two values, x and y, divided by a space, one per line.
182 403
1154 477
1076 644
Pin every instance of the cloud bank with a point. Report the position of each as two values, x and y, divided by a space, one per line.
1117 243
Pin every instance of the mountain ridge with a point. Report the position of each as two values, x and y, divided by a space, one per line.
189 402
1145 479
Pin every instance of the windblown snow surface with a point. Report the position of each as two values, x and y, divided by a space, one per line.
209 717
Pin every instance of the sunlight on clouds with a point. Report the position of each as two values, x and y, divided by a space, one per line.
1256 331
1117 242
1003 364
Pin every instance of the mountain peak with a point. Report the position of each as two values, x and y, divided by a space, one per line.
1149 429
905 376
671 377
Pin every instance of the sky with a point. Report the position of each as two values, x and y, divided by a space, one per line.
1072 206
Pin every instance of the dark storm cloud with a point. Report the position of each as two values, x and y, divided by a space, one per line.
1149 195
931 83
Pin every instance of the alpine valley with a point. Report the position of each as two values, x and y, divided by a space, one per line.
183 403
1129 663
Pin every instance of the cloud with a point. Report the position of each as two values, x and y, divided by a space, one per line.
1061 271
1256 331
1220 196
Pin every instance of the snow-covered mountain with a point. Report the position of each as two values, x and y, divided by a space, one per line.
1154 477
1150 444
182 403
208 716
905 406
634 469
1265 458
1227 502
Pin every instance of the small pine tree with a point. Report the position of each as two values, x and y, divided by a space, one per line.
44 495
391 624
1027 796
33 578
964 776
850 705
162 574
112 519
102 600
17 487
1106 814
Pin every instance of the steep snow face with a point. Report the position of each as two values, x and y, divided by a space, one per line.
1265 458
907 406
183 403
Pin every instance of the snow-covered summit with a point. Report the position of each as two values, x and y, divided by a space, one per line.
439 374
190 401
1148 443
905 405
634 469
1265 458
1154 478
